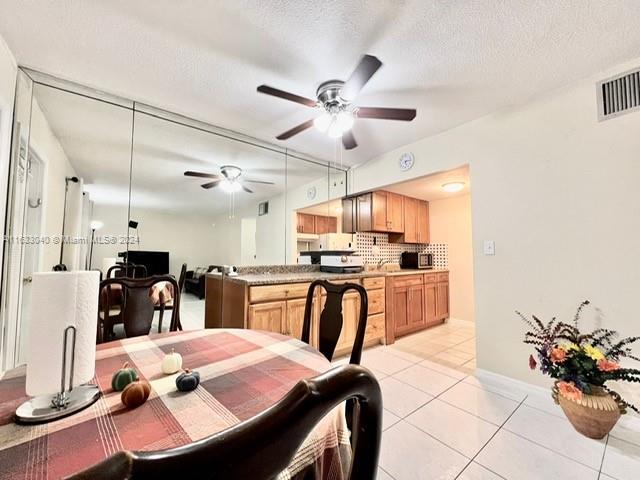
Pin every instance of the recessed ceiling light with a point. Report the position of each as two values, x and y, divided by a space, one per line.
453 187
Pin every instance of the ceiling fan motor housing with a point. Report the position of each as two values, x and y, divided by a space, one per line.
231 172
328 94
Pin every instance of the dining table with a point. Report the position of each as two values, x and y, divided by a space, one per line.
242 373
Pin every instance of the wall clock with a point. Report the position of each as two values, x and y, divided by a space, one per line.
311 193
406 161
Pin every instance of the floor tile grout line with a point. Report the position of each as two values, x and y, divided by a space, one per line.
604 452
394 478
500 427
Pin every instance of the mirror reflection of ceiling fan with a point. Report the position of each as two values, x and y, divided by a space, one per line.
335 101
230 179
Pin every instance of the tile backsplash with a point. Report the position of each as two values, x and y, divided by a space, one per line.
390 252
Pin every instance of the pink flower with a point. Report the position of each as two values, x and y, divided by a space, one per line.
558 355
605 365
570 391
532 362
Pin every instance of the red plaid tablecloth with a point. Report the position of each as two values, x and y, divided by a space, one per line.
242 373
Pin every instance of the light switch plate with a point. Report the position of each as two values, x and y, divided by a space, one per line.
489 247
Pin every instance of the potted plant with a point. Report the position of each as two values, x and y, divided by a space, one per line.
582 364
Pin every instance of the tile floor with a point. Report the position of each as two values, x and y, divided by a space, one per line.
443 421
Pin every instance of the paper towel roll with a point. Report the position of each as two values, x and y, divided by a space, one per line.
60 299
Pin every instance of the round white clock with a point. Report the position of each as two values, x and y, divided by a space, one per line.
406 161
311 193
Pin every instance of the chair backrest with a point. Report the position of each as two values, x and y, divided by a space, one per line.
182 277
129 270
331 319
137 304
263 446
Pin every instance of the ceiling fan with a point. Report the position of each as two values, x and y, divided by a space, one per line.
229 179
335 100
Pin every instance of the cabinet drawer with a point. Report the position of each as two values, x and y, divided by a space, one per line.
443 277
376 301
265 293
375 327
407 280
430 278
373 283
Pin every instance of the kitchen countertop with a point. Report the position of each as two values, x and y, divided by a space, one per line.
301 277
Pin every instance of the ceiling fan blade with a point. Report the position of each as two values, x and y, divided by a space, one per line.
367 67
258 181
248 190
405 114
295 130
349 141
209 185
189 173
292 97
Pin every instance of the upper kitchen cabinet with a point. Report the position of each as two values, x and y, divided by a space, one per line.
306 223
377 211
416 222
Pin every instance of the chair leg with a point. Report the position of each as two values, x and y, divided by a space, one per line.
160 320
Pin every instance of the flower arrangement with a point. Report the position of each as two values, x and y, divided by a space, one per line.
580 361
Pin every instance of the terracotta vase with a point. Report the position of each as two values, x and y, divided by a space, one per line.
593 415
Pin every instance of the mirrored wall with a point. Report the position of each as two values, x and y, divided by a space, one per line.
98 179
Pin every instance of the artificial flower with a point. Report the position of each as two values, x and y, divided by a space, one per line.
570 346
605 365
570 391
532 362
558 355
593 353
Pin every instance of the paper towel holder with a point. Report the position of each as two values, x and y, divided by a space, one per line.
46 408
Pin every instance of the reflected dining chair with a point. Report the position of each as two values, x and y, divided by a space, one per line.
138 304
263 446
331 319
162 306
124 269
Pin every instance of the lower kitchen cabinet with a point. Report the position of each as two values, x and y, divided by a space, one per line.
415 302
267 316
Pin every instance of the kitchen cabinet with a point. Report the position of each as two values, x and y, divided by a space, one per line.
295 317
267 316
423 222
414 302
416 222
306 223
349 215
377 211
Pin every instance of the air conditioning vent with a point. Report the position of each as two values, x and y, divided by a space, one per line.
619 95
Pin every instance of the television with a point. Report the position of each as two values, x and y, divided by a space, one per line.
157 263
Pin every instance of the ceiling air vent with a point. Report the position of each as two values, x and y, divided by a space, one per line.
619 95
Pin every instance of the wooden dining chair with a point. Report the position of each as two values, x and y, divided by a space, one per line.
169 305
263 446
130 270
137 305
331 319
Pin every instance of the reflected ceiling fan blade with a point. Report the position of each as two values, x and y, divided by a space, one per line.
248 190
295 130
189 173
349 141
367 67
258 181
292 97
210 184
405 114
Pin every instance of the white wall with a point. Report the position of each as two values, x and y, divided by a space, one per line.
558 193
450 223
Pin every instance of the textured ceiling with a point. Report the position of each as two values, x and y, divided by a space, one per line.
453 61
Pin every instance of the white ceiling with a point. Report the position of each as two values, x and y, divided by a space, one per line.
453 61
430 187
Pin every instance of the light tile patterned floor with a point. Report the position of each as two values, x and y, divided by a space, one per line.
443 422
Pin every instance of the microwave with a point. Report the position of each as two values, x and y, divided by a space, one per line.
416 260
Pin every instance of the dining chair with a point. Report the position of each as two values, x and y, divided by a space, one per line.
331 319
169 305
124 269
138 306
263 446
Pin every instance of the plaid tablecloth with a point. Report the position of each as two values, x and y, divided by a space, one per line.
242 373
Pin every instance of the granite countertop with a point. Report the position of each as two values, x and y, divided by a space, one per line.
279 277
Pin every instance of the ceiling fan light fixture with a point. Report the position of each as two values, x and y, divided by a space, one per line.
323 122
230 186
344 120
334 130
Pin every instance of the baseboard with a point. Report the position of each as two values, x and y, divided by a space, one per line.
527 387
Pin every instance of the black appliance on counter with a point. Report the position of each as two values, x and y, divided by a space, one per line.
416 260
157 263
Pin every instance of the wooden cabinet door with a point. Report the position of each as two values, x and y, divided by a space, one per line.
410 220
349 215
322 224
268 316
295 317
379 211
442 301
400 310
364 213
415 308
332 224
430 302
395 212
422 222
306 223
